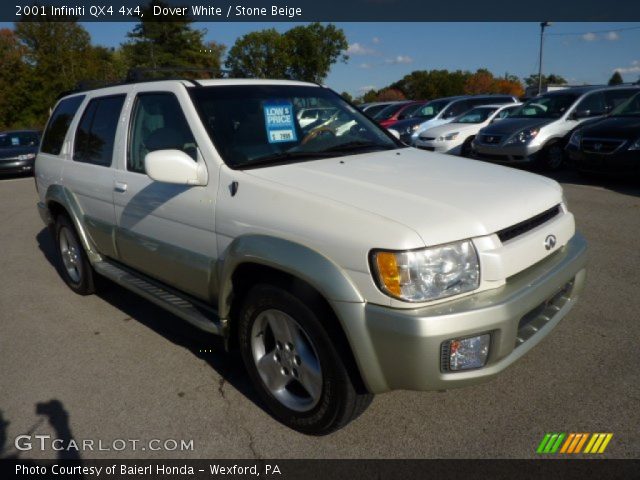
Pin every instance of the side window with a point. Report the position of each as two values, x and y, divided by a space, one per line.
59 124
97 131
158 123
456 109
614 98
592 105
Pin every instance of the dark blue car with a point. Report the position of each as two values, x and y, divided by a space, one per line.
18 151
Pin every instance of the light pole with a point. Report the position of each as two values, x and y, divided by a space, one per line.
543 25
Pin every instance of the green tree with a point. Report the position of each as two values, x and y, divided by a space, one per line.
616 78
13 75
430 84
260 54
551 79
302 53
59 55
347 96
170 43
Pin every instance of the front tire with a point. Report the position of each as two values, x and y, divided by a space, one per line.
551 157
75 267
294 365
466 150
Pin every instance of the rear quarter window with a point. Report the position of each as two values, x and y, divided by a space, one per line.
59 124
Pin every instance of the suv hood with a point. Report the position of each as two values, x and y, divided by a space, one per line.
510 126
441 197
627 128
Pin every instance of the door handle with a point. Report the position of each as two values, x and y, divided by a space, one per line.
120 187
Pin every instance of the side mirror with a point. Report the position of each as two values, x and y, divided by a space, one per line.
174 166
580 114
395 133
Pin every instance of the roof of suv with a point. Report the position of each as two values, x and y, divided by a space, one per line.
589 88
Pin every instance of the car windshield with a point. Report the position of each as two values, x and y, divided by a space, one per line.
475 115
431 109
19 139
257 125
388 112
630 108
546 106
410 111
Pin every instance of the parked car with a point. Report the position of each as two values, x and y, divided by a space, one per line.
537 134
455 137
340 266
610 145
371 109
443 110
390 113
18 151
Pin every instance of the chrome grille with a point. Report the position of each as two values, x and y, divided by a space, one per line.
490 139
603 146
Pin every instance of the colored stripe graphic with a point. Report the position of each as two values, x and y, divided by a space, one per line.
573 443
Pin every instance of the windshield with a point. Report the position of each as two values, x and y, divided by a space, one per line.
258 125
476 115
546 106
388 112
630 108
19 139
431 109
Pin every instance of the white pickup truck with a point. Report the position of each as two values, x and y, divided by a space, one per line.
341 262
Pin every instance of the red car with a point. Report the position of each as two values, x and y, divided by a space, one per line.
396 112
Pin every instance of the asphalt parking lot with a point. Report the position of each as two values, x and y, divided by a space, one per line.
114 366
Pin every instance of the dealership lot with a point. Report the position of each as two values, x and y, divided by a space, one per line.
122 368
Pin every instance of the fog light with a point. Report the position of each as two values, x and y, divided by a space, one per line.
465 353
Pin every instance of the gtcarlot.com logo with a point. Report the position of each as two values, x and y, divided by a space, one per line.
569 443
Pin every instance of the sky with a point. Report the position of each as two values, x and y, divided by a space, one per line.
381 53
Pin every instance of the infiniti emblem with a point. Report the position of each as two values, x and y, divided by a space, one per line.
550 242
597 147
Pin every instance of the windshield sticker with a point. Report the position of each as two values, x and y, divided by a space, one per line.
278 118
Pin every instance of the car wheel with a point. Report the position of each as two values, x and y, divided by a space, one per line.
552 157
75 268
293 363
465 149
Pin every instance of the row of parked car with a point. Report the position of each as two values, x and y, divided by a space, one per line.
594 128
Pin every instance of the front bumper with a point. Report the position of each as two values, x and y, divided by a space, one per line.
452 148
401 349
512 154
626 162
17 166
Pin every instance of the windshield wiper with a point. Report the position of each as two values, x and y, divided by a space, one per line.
358 145
283 158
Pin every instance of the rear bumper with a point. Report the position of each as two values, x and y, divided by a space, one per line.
401 349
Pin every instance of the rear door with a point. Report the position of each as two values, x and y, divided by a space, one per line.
89 174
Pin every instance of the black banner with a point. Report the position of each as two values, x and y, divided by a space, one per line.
326 11
321 469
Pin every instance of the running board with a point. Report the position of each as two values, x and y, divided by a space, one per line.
196 313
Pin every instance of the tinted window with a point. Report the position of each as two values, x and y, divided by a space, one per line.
18 139
97 131
158 124
475 115
59 124
592 105
547 106
456 109
615 98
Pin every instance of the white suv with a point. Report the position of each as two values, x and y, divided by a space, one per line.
339 261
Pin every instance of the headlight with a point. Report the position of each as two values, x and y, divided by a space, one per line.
575 139
27 156
410 130
448 137
523 137
427 274
635 145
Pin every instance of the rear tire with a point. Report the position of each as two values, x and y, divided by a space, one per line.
75 268
293 363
